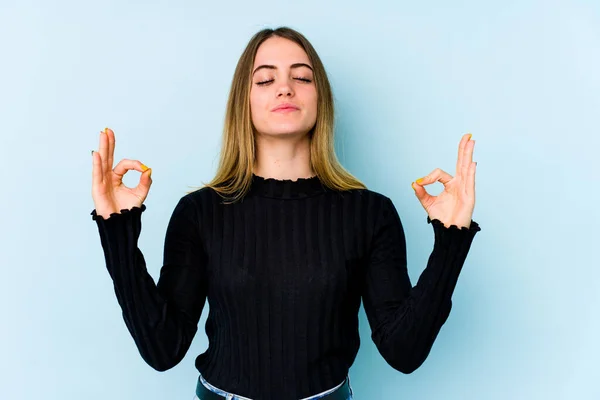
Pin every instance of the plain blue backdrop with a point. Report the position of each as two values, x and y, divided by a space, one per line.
409 79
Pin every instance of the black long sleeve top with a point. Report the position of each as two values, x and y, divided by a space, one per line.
284 272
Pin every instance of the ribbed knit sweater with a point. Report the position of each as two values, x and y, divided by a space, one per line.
284 272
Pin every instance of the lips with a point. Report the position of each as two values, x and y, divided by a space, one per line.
286 107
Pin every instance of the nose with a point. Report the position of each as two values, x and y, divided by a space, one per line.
285 89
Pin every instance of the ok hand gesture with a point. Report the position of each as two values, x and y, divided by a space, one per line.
108 191
454 206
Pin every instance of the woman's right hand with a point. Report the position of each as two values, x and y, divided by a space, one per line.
108 191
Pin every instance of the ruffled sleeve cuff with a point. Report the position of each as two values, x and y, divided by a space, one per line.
453 237
123 212
436 222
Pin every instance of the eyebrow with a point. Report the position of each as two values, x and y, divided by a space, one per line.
296 65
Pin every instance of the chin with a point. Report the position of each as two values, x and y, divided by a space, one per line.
286 131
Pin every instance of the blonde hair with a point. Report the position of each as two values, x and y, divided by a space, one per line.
234 174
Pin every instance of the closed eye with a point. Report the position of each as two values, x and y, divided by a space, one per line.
262 83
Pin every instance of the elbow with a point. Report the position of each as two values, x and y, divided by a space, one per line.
161 365
160 361
158 364
406 365
406 350
403 357
163 350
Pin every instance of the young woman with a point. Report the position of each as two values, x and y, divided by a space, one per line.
284 243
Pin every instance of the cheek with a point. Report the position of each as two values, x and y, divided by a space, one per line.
312 102
258 109
253 100
258 102
254 105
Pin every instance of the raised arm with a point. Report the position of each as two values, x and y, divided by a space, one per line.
162 318
405 320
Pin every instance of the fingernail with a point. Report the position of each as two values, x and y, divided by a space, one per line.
412 185
150 173
105 130
470 136
144 168
419 180
92 153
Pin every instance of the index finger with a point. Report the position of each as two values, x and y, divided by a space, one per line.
462 154
111 146
103 151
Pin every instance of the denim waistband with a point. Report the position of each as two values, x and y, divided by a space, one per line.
206 391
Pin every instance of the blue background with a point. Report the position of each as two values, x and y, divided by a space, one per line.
409 79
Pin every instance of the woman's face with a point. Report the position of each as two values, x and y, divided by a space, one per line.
283 98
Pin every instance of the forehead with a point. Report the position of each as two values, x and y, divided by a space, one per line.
277 50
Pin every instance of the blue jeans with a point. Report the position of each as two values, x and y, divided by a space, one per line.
232 396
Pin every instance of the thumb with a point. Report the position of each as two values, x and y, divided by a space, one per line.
421 193
145 180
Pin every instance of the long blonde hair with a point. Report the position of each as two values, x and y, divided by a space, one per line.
234 174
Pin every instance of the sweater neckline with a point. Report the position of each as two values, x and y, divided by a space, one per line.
287 188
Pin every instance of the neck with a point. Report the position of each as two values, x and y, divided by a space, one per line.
283 157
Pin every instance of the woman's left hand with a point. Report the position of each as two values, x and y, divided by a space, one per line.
454 206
